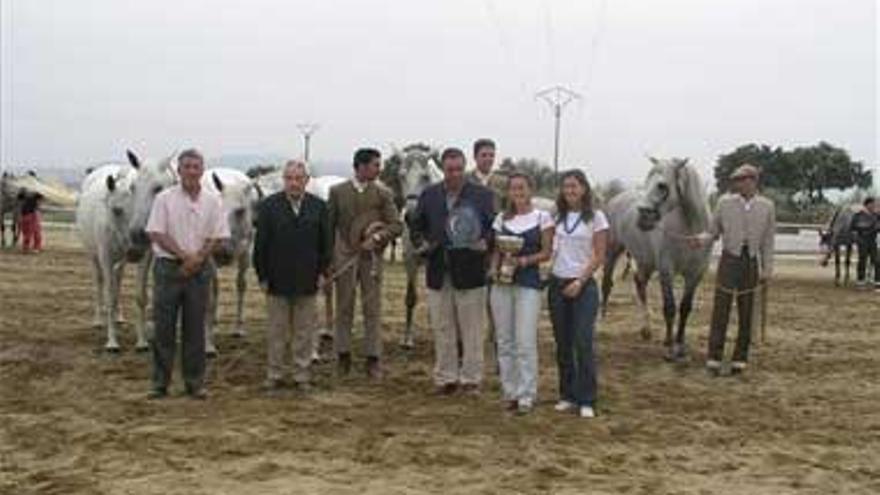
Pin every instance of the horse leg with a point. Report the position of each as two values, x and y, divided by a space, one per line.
836 265
240 290
668 309
411 300
2 231
99 293
143 274
611 257
211 317
641 282
118 273
679 348
111 299
847 260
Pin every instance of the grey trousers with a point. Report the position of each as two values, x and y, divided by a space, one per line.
291 325
185 299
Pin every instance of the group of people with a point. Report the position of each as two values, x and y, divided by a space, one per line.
489 254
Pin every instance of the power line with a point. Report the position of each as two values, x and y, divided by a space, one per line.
558 97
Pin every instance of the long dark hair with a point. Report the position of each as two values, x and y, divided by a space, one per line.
586 209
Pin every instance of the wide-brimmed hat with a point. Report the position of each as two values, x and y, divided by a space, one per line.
744 171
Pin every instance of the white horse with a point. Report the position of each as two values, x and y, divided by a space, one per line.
654 225
239 197
319 186
151 179
103 213
417 170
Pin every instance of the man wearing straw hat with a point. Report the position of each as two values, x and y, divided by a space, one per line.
363 219
746 223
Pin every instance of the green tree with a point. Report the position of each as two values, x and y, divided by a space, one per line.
801 175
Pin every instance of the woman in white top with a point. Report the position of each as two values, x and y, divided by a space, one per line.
581 236
516 299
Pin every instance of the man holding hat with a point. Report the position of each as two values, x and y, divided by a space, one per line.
363 219
746 223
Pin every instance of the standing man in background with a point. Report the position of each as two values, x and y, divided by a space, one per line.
485 174
865 225
31 224
363 220
292 253
746 223
185 225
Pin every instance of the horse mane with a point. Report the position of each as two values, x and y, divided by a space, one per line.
691 196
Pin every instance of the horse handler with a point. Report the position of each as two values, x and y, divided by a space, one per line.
746 223
356 206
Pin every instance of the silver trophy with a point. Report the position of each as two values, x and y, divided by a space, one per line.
508 246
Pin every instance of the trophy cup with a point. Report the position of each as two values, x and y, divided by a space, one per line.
508 246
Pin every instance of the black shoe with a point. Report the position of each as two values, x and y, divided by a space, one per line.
157 394
198 393
343 364
373 369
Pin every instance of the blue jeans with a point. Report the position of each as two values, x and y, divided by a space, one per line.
515 310
574 321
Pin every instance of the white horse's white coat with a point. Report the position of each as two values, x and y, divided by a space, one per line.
239 198
103 213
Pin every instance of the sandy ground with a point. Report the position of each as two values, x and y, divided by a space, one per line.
73 420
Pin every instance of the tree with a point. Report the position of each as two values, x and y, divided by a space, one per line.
802 174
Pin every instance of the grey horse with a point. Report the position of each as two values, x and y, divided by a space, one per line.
655 225
8 206
838 235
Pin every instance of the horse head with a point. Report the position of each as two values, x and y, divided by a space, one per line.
672 184
150 181
239 195
417 170
119 204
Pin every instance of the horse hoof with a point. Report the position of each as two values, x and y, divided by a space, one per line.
142 349
112 350
211 354
645 333
239 334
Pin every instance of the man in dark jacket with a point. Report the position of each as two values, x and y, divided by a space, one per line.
453 222
292 253
865 225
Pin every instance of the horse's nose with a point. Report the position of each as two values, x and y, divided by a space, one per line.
648 217
139 236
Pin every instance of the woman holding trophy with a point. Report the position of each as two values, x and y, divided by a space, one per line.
581 236
523 240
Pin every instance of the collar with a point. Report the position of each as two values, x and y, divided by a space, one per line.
483 178
358 185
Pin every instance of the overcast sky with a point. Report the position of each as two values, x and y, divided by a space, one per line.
83 80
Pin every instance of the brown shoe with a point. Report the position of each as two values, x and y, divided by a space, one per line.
343 363
374 369
446 389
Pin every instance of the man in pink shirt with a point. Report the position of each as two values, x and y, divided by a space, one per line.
185 225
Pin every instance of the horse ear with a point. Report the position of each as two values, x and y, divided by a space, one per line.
133 159
217 182
31 173
260 193
111 183
653 160
684 162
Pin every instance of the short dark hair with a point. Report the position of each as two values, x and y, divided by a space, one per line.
868 201
483 143
363 156
451 154
191 153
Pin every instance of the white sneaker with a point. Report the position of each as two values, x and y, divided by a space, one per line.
587 412
563 406
524 406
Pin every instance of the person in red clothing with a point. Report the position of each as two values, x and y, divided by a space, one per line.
31 228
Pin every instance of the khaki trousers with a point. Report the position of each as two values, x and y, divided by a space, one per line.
457 314
367 273
291 323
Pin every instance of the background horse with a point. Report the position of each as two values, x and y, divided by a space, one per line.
103 213
416 169
239 197
8 206
654 225
839 235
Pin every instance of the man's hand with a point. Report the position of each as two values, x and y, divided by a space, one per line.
700 240
192 263
322 281
369 244
573 289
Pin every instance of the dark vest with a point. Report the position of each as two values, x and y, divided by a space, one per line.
529 276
